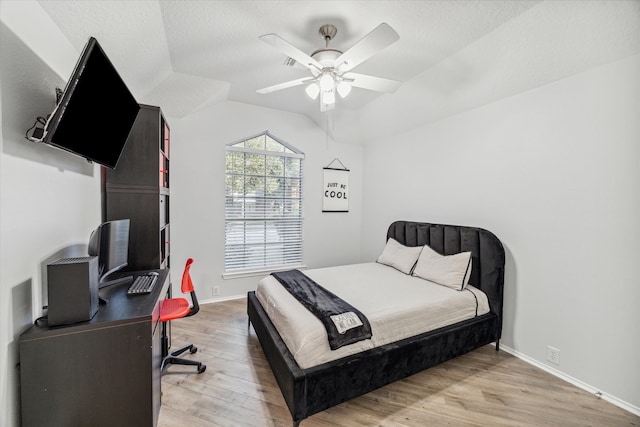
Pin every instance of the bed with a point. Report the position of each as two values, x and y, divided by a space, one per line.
327 382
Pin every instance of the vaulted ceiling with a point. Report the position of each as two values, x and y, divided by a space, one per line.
452 55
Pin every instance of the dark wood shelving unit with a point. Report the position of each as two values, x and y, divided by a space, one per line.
138 189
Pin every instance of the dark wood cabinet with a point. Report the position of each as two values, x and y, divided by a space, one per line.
138 189
103 372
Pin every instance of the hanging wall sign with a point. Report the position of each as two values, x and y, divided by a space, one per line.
335 192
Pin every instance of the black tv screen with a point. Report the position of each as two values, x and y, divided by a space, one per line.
96 112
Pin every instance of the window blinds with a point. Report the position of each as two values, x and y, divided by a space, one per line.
263 205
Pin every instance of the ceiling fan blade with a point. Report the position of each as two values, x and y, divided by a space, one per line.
372 83
382 36
291 51
284 85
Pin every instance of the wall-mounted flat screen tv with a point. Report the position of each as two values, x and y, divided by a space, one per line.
96 112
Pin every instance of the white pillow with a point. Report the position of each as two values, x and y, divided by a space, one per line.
398 256
452 271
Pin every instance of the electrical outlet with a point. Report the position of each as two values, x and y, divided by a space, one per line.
553 355
215 291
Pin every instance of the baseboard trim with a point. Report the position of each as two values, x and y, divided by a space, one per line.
588 388
220 299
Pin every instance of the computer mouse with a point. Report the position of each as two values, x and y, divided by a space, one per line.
153 273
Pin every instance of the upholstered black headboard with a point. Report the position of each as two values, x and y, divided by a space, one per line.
487 252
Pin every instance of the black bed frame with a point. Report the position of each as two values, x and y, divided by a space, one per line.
309 391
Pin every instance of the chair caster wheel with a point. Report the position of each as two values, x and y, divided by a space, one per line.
193 349
201 368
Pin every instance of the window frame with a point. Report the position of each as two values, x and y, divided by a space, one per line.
289 151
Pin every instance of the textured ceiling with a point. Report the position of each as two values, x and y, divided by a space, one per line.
451 56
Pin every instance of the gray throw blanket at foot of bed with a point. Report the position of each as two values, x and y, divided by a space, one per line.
343 322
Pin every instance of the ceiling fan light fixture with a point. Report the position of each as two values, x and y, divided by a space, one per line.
327 82
313 90
344 88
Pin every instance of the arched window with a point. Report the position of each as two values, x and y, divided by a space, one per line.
263 205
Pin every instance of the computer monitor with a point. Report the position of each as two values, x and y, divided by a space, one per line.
110 243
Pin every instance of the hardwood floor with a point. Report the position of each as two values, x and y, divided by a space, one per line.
482 388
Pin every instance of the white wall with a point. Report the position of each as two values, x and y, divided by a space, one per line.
197 191
49 199
555 173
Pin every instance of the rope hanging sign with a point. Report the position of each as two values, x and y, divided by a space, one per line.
335 191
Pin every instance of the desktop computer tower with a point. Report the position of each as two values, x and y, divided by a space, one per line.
72 285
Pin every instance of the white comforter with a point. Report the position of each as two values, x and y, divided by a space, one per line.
397 305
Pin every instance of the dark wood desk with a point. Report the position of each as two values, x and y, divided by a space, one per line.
104 372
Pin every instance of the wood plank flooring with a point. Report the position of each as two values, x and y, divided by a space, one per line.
482 388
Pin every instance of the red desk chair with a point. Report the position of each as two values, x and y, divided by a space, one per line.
176 308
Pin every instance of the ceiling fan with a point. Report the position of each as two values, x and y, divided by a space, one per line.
331 68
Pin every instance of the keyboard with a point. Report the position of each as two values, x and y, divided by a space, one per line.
142 284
